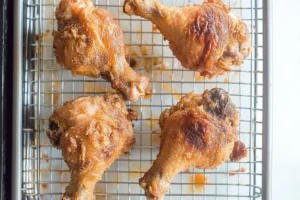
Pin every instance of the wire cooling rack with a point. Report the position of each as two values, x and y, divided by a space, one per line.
46 85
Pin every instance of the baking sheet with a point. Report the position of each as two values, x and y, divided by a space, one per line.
48 85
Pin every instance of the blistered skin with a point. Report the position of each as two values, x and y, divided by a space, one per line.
90 42
92 132
200 131
205 38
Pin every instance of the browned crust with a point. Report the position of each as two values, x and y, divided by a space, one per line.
239 151
90 42
132 115
206 133
206 38
195 130
91 132
210 28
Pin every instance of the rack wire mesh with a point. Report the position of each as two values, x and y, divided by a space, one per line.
47 85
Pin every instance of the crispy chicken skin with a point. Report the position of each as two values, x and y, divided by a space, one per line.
205 38
92 132
90 42
200 131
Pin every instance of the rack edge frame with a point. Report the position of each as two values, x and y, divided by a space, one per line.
16 186
267 101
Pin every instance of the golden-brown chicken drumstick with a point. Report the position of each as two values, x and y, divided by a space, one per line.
200 131
205 38
89 42
92 132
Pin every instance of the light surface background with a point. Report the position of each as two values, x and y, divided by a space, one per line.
286 100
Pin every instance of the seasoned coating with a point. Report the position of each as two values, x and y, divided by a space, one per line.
200 131
90 42
92 132
205 38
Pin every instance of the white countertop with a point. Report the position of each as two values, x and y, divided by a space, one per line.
286 100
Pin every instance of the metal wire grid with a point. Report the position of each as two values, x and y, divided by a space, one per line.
47 85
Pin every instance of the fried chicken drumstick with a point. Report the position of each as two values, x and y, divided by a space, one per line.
200 131
89 42
205 38
92 132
